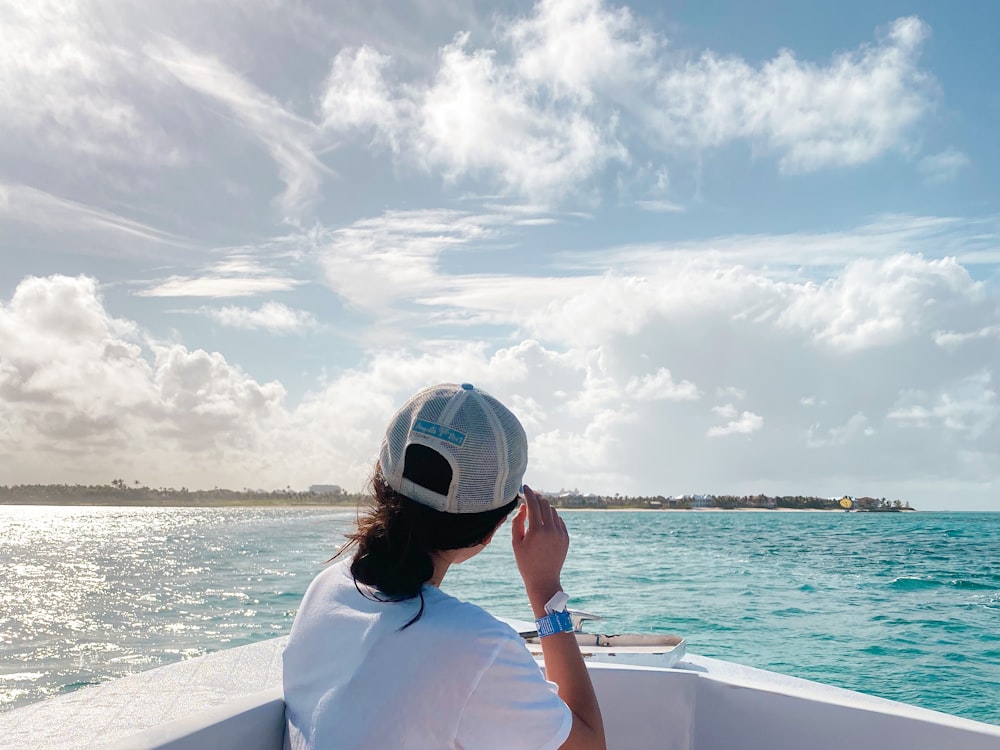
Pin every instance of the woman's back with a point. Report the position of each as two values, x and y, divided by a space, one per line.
379 657
356 678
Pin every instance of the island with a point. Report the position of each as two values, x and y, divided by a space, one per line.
121 493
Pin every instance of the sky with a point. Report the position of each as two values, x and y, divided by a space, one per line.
697 247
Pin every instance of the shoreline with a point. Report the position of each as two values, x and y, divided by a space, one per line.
284 505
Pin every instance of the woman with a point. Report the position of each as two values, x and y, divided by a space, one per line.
379 657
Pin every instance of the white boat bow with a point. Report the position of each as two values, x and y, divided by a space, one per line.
231 700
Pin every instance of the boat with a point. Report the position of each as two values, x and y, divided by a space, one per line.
653 695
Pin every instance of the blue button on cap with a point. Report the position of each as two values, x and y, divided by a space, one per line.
467 386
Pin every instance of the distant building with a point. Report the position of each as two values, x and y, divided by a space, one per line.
690 501
326 489
701 501
575 500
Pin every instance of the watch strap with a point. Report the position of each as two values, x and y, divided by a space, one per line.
556 622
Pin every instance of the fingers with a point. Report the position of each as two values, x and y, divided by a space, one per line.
540 510
517 525
533 502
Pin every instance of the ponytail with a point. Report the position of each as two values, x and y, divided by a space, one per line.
397 538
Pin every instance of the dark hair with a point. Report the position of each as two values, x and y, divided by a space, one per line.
397 536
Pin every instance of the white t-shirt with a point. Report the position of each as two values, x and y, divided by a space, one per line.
456 678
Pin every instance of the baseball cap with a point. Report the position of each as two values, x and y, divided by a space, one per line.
476 441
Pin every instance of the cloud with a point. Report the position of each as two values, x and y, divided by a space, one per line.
846 303
573 87
217 286
967 241
356 94
238 275
81 385
84 392
968 405
397 252
290 140
660 206
875 302
65 80
272 317
943 166
540 103
855 427
27 205
661 385
739 423
583 48
479 116
952 339
849 112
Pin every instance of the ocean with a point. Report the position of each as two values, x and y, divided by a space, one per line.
901 605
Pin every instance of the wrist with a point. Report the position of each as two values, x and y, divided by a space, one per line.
538 596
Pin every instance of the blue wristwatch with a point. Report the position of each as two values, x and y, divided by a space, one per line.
557 620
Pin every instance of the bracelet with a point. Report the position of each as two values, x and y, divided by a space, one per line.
552 624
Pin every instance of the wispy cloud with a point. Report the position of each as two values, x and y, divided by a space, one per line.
397 253
290 140
66 83
218 286
540 104
936 236
660 206
23 204
273 317
239 274
943 166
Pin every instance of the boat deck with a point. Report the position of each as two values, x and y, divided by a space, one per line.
701 704
123 707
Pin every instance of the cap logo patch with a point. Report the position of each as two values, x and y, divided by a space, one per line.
439 431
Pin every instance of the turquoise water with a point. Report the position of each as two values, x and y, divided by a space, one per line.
905 606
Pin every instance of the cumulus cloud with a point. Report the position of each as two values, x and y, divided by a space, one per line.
574 86
84 392
661 385
740 423
356 95
848 112
540 103
874 302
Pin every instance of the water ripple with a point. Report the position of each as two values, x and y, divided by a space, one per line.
902 606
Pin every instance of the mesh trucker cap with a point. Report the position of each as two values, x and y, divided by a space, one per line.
481 440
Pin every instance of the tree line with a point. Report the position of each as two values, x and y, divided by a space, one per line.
121 492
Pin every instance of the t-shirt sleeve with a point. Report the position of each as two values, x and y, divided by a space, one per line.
513 707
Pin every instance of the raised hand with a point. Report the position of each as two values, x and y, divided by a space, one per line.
540 542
